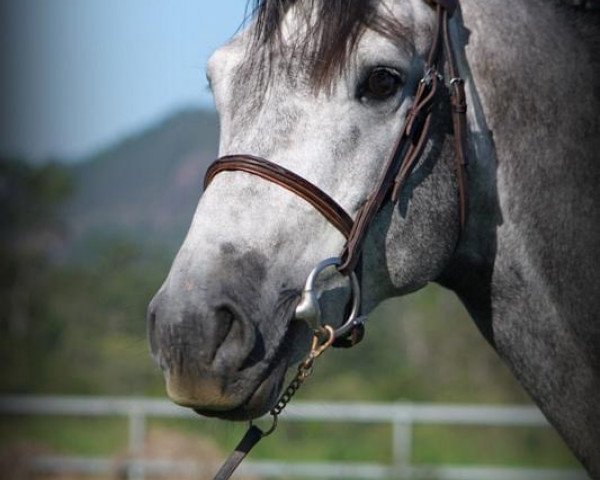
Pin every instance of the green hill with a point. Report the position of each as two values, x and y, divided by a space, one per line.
147 186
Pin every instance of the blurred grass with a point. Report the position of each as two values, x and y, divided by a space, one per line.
66 435
311 441
293 441
514 446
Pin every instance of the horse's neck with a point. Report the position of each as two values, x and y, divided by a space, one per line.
528 268
534 134
535 141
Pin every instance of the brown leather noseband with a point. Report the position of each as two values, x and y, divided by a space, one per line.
287 179
407 150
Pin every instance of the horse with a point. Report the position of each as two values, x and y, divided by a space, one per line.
321 88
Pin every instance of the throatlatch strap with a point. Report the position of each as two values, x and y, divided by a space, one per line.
250 439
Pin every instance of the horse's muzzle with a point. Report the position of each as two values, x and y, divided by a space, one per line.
208 356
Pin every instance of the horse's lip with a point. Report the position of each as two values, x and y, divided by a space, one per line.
266 394
260 401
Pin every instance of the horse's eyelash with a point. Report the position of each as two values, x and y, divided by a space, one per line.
364 77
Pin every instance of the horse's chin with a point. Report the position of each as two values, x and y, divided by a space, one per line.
263 399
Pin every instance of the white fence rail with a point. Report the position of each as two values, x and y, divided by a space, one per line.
401 416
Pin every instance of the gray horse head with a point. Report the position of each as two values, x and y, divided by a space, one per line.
222 324
322 88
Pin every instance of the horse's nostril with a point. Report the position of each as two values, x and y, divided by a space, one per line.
188 339
232 337
225 317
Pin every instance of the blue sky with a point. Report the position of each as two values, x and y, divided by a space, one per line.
80 74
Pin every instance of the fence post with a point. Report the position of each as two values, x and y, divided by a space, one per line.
137 437
402 446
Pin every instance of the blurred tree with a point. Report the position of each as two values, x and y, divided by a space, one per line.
101 305
30 228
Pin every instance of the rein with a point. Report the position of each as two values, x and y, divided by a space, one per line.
407 150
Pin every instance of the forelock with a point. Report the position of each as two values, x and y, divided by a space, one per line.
330 31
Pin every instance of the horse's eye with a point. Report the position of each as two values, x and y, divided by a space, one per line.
382 83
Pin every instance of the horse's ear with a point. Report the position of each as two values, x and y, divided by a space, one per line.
449 5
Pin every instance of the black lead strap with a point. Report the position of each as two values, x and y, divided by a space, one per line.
250 439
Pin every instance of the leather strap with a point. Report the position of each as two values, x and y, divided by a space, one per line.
287 179
458 101
411 141
249 440
448 5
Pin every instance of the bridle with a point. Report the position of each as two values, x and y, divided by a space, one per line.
407 150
